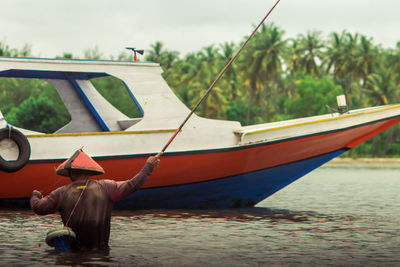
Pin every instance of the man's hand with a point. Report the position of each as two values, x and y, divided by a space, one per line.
37 193
154 160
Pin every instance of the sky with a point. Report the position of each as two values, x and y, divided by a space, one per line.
54 27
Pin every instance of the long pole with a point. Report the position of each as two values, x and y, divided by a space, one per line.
217 79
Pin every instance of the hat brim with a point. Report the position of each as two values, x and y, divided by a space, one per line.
66 171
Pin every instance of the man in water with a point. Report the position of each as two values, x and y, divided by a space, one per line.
85 205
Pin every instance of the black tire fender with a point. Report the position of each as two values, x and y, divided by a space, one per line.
23 146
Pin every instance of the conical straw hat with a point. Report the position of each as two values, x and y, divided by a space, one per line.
79 161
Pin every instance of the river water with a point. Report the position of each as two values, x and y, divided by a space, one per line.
334 216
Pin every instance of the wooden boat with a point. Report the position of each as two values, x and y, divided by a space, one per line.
210 164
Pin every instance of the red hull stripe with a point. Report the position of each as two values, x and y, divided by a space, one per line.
191 167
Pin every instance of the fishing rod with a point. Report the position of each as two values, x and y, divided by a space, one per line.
217 79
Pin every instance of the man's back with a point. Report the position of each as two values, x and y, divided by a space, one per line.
91 218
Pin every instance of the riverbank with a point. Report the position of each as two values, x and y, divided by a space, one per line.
370 162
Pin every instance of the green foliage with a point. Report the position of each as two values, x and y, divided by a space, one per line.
19 98
273 79
313 95
237 111
36 114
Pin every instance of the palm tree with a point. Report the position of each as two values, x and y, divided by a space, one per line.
264 64
366 63
333 55
182 76
168 58
309 48
292 57
292 63
230 78
341 53
393 60
154 55
210 63
382 88
164 57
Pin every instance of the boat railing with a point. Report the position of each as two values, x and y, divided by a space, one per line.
295 127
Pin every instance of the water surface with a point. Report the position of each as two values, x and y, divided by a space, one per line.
339 216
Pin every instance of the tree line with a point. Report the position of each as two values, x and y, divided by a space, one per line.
274 78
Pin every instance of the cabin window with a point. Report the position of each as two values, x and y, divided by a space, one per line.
32 104
67 102
115 92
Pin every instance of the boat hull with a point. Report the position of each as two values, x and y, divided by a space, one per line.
238 176
238 191
243 190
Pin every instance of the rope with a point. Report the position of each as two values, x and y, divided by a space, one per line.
76 204
9 130
218 77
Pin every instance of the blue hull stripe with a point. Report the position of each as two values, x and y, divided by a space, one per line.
243 190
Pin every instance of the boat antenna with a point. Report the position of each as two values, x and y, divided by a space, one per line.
218 77
134 50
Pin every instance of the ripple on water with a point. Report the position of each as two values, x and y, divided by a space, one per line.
333 217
